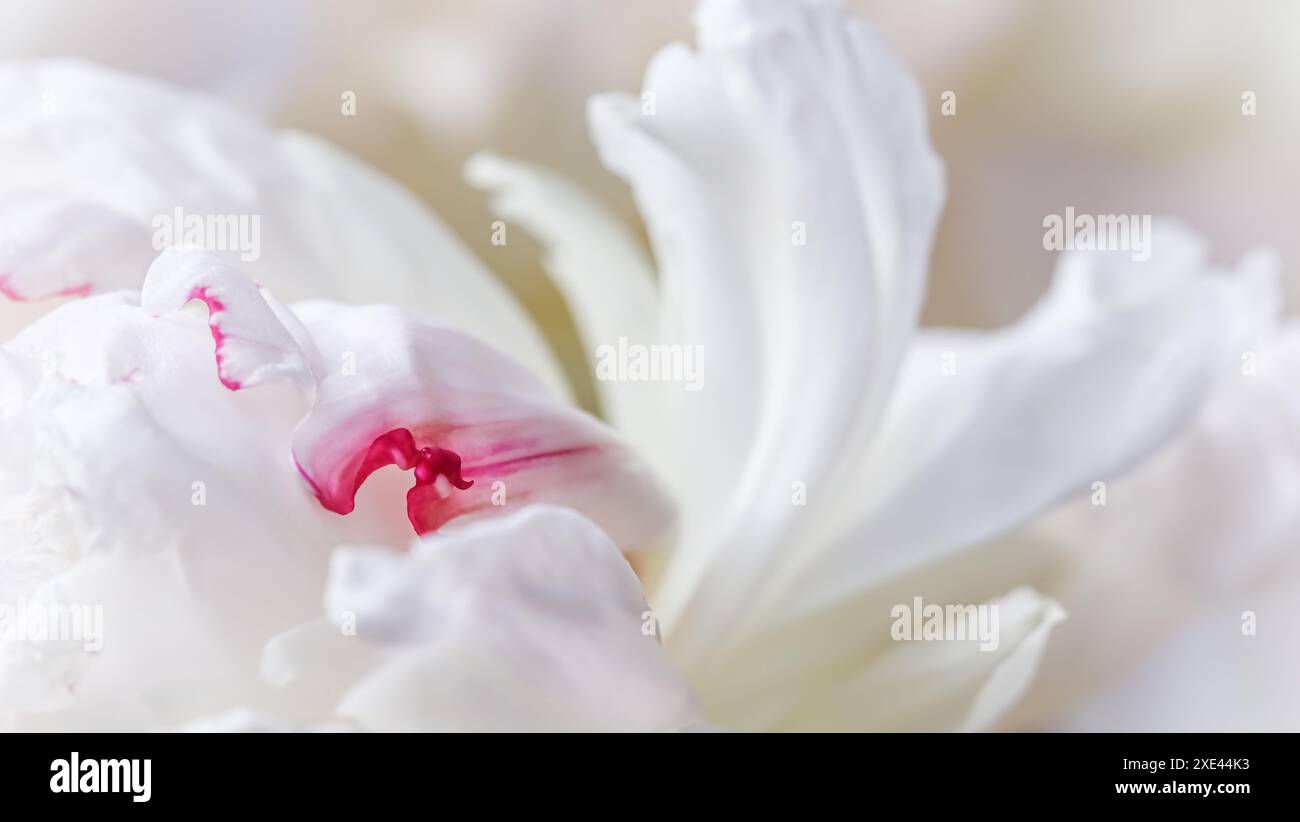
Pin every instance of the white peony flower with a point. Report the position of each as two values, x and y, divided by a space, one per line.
834 464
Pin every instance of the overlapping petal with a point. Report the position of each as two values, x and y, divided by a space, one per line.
531 621
477 431
97 167
990 429
791 195
134 483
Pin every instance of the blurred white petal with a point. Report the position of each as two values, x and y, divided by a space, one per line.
1214 514
944 685
1113 362
532 621
1210 676
791 195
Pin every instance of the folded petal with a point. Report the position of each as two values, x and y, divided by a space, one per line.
915 684
531 621
478 431
252 341
791 195
955 684
991 428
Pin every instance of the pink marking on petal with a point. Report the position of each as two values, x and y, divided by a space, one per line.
397 447
504 468
7 289
215 307
83 290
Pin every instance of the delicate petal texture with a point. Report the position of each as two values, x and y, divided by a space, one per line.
845 669
1102 330
134 483
532 621
706 295
1031 619
791 196
478 431
52 246
602 271
129 164
252 342
395 390
1216 513
1106 368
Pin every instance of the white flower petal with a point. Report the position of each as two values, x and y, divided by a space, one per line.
53 246
602 271
117 156
1113 362
707 296
1205 527
252 341
1211 676
791 195
478 430
532 621
135 483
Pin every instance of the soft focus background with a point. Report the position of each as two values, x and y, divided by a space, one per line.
1110 106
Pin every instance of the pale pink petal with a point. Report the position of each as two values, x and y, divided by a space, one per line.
478 430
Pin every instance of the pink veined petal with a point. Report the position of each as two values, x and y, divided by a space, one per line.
478 431
253 343
481 434
428 464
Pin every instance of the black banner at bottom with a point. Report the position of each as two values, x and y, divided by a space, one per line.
341 771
